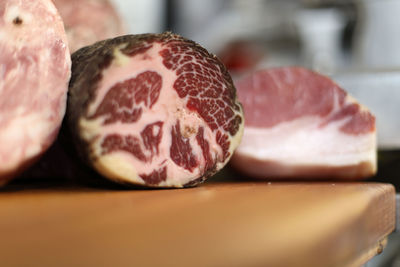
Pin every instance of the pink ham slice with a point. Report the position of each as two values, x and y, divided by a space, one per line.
89 21
34 73
300 124
154 109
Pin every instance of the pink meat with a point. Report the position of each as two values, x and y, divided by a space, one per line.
89 21
301 124
153 109
34 74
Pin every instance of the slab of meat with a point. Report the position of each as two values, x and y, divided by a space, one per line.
153 109
34 73
300 124
89 21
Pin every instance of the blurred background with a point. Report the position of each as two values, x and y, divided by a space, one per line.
356 42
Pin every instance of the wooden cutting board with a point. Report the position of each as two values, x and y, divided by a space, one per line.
216 224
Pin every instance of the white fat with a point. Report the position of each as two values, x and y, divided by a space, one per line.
121 170
90 128
305 142
120 59
168 106
14 11
11 12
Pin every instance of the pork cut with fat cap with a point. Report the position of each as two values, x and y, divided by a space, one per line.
300 124
34 73
153 109
89 21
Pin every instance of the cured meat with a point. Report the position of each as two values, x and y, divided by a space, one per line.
153 109
300 124
34 73
89 21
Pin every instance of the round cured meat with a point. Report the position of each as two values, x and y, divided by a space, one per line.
153 109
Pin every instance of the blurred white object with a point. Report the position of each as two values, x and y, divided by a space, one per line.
320 32
379 91
215 23
378 39
142 16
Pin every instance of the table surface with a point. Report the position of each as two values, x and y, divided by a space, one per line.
215 224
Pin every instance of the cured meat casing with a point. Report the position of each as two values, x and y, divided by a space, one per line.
153 109
300 124
89 21
34 72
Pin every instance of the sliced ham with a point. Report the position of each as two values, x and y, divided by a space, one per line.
89 21
300 124
34 73
155 110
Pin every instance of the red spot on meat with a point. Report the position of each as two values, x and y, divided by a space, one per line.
156 177
181 150
129 143
205 147
240 55
125 100
151 136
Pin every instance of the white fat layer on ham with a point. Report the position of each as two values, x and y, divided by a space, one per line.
34 73
167 109
304 142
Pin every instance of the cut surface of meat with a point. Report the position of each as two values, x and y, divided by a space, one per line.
34 73
153 109
89 21
301 124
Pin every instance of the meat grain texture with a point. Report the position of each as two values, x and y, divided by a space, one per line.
34 73
89 21
300 124
153 109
